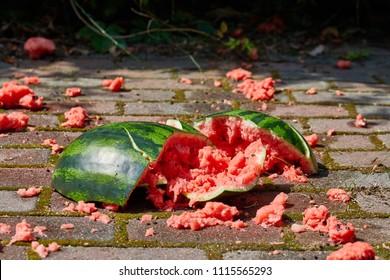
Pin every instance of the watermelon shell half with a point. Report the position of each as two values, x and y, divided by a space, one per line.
106 163
285 145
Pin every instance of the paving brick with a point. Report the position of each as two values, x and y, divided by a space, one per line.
24 156
297 202
37 137
128 73
372 230
373 202
110 253
299 110
213 95
362 87
13 252
129 95
302 85
350 142
75 81
207 74
25 177
91 107
385 138
347 97
162 84
346 125
348 179
109 119
279 255
253 233
361 159
374 111
42 120
82 228
368 230
12 202
164 108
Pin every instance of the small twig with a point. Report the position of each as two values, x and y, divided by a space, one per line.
198 66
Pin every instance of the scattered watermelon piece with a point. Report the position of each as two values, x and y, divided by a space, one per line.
294 174
115 84
343 64
360 121
213 213
339 232
43 251
31 102
37 47
13 121
353 251
217 83
73 91
39 230
33 80
271 215
32 191
257 91
146 218
337 194
239 74
55 148
315 218
4 228
76 117
312 139
311 91
67 226
98 216
11 93
185 81
23 232
149 232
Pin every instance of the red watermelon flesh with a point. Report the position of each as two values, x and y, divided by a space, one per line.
231 134
199 172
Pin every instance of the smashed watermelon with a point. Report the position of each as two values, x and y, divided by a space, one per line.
179 165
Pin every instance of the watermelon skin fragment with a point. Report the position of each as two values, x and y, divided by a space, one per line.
272 131
105 163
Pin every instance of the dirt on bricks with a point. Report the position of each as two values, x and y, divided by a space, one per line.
356 159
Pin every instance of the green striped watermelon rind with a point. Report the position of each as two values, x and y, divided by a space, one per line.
105 163
276 127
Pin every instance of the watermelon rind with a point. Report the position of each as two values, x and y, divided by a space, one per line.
105 163
279 129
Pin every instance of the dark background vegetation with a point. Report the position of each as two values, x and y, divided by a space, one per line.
306 20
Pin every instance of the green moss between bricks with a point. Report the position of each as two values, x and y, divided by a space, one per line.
351 109
120 106
44 198
275 74
179 95
332 85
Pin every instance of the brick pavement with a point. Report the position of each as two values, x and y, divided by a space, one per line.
153 93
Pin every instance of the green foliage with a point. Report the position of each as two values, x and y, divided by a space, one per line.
101 43
356 55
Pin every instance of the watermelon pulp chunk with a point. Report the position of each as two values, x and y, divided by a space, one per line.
201 172
231 132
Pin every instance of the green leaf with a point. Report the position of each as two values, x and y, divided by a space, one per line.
101 44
